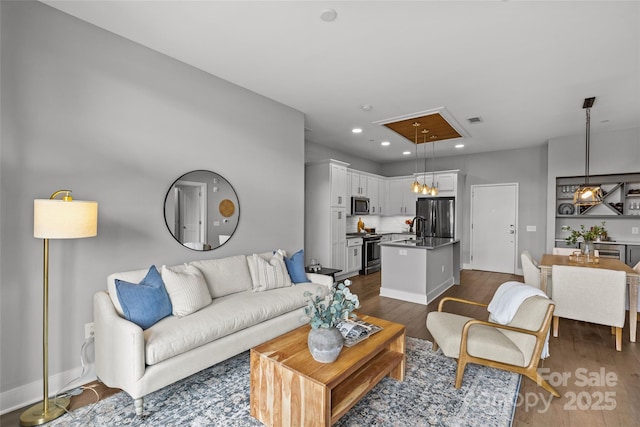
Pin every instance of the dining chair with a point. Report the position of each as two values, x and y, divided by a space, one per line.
588 294
570 251
515 346
563 251
530 269
637 269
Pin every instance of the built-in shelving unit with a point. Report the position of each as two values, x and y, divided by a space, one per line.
621 196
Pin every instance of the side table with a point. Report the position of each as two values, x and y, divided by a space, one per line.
326 271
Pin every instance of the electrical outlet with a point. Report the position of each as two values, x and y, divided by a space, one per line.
88 330
634 230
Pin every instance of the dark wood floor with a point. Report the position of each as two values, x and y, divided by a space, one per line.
598 385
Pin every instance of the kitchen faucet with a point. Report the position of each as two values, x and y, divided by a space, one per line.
421 220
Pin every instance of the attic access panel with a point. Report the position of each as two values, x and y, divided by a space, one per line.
439 127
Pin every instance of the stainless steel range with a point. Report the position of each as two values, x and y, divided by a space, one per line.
370 253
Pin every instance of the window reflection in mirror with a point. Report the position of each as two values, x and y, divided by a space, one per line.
201 210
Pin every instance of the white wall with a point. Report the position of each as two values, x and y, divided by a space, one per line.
115 122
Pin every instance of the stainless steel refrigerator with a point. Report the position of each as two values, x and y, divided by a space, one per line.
439 214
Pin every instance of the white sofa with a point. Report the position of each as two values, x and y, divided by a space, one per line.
238 318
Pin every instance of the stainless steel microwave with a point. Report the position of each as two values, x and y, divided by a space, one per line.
360 206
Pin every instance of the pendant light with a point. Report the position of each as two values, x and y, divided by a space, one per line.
425 186
416 187
586 194
434 190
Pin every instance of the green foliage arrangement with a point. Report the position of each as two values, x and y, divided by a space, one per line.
328 311
587 235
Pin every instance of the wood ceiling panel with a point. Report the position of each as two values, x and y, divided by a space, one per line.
438 127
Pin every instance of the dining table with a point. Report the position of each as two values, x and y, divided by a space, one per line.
633 280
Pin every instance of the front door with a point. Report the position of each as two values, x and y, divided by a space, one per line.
494 224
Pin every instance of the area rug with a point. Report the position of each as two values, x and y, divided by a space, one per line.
219 396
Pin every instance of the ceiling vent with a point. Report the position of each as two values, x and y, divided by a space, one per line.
475 119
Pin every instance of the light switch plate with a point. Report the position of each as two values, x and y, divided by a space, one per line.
634 230
531 228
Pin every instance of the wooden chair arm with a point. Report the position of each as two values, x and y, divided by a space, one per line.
465 329
464 301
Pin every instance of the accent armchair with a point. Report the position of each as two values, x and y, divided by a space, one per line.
592 295
515 346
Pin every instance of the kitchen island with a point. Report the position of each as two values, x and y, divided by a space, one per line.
419 270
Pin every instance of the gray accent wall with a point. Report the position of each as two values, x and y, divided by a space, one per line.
115 122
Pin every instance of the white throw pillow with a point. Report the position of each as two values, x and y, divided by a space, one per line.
268 274
187 289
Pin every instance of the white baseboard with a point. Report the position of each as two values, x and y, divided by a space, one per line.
31 393
404 296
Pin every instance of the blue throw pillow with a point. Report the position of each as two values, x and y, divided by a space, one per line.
295 267
144 303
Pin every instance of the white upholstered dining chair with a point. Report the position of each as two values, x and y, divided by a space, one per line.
563 251
637 269
530 269
592 295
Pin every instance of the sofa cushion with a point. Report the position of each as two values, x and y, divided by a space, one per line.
146 302
187 289
225 276
224 316
295 267
268 274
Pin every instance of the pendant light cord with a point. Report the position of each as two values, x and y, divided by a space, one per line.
588 138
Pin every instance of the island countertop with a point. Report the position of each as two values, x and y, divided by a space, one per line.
425 243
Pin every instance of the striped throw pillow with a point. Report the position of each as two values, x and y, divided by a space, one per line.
268 274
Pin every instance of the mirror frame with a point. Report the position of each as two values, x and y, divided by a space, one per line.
221 213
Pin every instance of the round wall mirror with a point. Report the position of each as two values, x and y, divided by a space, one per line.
201 210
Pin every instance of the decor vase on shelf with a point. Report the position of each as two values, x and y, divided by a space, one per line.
325 312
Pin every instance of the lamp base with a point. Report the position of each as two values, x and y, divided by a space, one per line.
35 416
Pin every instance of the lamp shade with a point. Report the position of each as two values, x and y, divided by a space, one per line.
60 219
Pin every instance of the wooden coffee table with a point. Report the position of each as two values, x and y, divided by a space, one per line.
288 387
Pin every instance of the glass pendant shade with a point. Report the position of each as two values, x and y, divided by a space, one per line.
416 187
425 189
588 195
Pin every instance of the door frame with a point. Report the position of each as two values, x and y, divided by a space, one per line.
517 215
202 208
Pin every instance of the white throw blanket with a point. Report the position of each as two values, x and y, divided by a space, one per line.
507 300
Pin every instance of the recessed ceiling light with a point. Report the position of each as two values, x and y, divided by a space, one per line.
406 153
356 130
366 107
385 143
459 146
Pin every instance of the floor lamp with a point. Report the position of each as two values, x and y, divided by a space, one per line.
56 219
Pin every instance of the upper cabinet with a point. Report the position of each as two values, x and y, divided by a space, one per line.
401 200
621 196
338 182
357 182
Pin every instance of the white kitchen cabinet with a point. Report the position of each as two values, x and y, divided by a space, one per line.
354 255
383 196
402 201
446 183
358 184
325 213
373 192
338 182
338 238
